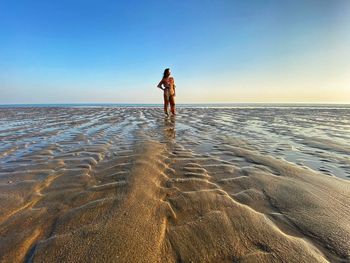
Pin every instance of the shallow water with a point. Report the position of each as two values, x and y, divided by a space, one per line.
317 138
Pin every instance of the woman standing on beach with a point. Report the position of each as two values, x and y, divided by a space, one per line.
169 91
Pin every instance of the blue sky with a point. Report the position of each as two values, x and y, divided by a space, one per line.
218 51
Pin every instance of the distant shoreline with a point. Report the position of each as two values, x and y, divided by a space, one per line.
179 105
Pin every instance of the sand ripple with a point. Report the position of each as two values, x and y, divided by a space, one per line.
211 185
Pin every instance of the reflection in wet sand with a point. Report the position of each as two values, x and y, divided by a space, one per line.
212 185
169 127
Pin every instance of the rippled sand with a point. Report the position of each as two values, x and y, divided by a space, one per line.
211 185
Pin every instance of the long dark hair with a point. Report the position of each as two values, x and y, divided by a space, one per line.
166 73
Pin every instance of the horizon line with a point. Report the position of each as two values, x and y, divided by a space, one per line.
186 103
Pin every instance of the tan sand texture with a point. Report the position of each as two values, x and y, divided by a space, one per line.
127 185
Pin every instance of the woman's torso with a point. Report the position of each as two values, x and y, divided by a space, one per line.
169 85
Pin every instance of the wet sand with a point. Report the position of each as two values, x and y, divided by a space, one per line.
115 184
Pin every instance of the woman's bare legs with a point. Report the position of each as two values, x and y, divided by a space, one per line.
172 104
166 104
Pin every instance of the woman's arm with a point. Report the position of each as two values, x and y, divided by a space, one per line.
160 85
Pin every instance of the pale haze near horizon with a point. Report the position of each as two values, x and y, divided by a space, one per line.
115 52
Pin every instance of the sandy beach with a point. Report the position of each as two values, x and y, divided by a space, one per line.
123 184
